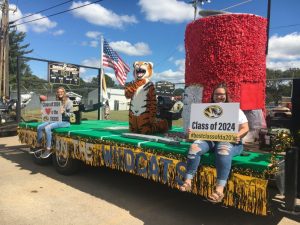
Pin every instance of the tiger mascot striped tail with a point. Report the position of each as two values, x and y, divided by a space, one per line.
143 105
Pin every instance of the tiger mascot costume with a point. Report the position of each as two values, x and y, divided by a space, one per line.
142 111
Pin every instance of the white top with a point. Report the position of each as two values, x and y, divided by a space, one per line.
242 117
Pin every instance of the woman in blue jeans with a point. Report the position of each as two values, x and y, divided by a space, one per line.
224 151
66 110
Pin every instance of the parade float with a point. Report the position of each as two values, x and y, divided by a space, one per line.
228 48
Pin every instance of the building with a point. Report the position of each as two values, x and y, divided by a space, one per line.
116 97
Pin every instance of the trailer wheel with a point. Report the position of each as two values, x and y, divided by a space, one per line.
38 160
65 165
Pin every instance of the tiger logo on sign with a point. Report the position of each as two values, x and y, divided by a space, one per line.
213 111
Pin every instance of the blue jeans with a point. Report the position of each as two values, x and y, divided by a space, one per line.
224 151
48 126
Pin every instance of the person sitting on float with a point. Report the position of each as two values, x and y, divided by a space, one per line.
66 110
224 151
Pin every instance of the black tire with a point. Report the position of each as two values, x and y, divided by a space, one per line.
39 161
66 166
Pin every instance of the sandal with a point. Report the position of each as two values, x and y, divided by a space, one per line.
185 187
215 197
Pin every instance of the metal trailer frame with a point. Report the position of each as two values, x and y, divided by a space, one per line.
18 79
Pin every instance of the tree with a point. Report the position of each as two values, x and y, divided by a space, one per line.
17 49
276 87
178 92
109 81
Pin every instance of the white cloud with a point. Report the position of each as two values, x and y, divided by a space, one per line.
284 52
84 73
82 70
92 62
94 44
283 65
84 43
138 49
170 75
181 64
15 15
180 48
93 34
168 11
38 26
171 59
42 25
285 47
58 32
98 15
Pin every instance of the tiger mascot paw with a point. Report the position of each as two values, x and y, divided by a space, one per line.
143 105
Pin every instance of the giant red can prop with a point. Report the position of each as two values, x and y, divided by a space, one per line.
228 48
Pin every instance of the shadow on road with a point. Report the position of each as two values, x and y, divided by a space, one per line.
151 202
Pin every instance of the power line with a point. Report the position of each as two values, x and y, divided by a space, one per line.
42 11
241 3
56 13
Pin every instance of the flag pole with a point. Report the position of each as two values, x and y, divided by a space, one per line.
100 79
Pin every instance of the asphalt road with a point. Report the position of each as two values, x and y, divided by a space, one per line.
32 194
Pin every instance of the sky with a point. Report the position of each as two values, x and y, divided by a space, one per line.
147 30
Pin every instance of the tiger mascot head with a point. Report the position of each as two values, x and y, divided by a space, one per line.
142 70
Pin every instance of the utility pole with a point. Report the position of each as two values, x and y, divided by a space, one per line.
195 5
4 49
268 26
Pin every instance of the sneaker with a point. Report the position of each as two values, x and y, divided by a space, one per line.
35 150
46 154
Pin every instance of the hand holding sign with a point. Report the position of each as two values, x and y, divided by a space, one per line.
237 139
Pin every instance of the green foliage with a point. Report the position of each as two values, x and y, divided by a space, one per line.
109 81
178 92
29 82
277 86
16 48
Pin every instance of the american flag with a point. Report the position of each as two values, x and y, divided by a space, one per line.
111 59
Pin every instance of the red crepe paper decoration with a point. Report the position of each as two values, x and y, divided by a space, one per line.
254 94
229 49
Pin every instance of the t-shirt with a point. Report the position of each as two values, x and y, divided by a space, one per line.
68 110
242 117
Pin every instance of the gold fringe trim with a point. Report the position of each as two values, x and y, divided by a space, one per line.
242 192
247 193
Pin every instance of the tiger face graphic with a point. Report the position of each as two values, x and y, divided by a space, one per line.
213 111
142 70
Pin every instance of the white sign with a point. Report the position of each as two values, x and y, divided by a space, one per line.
214 121
51 111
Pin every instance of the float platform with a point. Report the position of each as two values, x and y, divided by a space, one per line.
106 143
